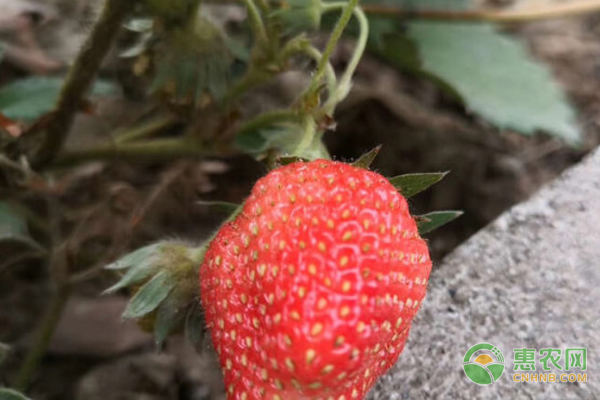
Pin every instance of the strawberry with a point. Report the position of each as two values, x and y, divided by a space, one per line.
310 291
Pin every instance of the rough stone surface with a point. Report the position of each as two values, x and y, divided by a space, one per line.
530 279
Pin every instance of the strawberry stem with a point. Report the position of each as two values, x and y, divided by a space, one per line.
256 21
344 86
348 10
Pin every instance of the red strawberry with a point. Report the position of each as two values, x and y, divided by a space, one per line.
310 291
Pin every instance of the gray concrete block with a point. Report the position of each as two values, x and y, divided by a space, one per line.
530 279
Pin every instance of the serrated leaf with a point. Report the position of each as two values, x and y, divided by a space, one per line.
29 98
149 297
4 350
412 184
429 222
220 206
367 159
13 227
9 394
195 326
170 317
495 77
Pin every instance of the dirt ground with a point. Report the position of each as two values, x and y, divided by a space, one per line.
106 209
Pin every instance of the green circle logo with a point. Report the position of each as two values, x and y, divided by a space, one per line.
485 367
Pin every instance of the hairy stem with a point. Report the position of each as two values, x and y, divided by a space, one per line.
331 44
361 44
78 82
146 129
329 72
59 274
256 21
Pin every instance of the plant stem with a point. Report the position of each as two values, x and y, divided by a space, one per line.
256 21
329 72
47 328
361 44
145 129
331 44
79 80
309 128
263 5
533 13
151 150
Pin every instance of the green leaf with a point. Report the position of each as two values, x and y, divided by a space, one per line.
495 77
430 222
29 98
220 206
367 159
4 350
412 184
9 394
13 227
150 296
257 141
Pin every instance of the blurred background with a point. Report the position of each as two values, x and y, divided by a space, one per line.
96 206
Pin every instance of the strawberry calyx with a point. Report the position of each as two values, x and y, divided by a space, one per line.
161 277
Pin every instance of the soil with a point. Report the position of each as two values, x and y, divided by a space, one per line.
106 209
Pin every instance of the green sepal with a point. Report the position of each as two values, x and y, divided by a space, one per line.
192 61
170 317
4 350
286 160
163 280
195 326
9 394
137 273
298 16
429 222
367 159
150 296
134 258
222 207
412 184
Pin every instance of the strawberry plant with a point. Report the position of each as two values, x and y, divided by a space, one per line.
309 288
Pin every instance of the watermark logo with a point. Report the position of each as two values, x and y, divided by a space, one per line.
558 365
483 364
